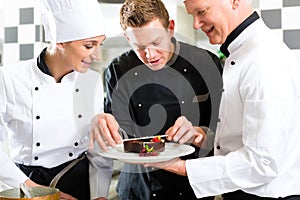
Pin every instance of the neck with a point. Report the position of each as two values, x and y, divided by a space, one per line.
57 66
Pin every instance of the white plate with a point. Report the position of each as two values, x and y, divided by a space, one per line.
172 150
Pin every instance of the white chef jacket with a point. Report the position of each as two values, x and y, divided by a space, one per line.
257 140
47 123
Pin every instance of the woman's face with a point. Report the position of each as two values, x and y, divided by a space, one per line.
213 17
80 54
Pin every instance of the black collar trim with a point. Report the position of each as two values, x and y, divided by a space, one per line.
236 32
42 64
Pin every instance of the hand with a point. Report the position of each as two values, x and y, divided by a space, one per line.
176 166
104 130
30 183
184 132
64 196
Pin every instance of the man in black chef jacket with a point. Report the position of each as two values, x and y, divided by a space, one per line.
158 83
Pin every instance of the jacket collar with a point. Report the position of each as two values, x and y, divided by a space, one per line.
44 73
236 32
42 64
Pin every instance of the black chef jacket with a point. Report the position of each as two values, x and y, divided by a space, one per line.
147 102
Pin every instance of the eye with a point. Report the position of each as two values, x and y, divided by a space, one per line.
88 46
202 12
156 43
141 48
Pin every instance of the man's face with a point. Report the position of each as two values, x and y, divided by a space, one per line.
212 17
152 43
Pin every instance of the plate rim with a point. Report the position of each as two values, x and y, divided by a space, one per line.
151 159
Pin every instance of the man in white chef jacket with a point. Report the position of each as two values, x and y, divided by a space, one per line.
257 153
46 106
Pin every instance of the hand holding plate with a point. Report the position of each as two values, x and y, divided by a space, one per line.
176 166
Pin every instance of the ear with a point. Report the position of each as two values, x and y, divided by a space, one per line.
235 4
171 27
59 45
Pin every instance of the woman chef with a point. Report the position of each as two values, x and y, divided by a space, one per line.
42 109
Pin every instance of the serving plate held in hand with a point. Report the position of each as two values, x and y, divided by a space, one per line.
172 150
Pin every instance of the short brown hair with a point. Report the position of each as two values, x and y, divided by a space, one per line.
136 13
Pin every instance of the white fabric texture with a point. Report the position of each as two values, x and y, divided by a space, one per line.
70 20
29 93
258 132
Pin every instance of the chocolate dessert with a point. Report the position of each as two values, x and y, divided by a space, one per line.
145 146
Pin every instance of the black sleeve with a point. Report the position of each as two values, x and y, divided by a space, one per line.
216 60
110 81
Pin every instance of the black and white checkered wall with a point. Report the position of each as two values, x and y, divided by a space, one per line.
283 17
22 30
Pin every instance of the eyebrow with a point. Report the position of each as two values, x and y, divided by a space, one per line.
157 39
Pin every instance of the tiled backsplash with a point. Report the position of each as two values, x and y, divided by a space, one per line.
22 31
282 16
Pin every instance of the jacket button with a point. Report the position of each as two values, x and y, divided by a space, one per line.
76 144
36 158
154 194
232 63
139 105
222 90
135 73
36 88
70 154
80 115
76 90
37 117
38 144
184 70
218 147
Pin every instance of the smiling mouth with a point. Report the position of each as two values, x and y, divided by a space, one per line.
87 63
209 30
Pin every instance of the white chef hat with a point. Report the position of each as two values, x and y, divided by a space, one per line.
69 20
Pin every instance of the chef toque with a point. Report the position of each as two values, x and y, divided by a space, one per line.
69 20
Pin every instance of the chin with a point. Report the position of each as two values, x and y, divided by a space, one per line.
213 41
82 69
155 67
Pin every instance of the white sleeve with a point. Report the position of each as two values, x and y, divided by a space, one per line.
99 96
3 103
100 168
10 174
3 99
100 174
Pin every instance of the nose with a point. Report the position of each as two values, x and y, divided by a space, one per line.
198 23
96 54
149 52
